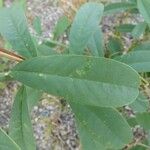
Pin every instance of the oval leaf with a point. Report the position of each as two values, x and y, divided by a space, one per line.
124 28
141 104
13 27
144 120
116 7
139 29
37 25
103 129
82 79
139 60
61 26
95 44
144 46
84 26
144 7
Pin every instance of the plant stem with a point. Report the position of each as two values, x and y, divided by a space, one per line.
10 55
143 145
57 43
51 41
144 81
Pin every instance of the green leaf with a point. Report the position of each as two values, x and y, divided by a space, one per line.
115 45
13 27
84 26
33 97
139 29
44 50
82 79
1 3
117 7
6 143
137 147
37 25
20 124
144 119
22 2
144 7
141 104
142 46
95 44
4 76
132 121
139 60
103 129
148 137
124 28
133 1
61 26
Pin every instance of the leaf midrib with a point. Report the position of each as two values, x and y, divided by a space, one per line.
86 80
93 136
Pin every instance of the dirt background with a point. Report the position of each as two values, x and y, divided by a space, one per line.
53 122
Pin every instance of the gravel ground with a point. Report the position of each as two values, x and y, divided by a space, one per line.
53 122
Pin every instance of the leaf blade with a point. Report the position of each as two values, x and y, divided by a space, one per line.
139 60
94 87
108 130
95 44
6 142
20 124
83 27
13 27
117 7
144 6
61 26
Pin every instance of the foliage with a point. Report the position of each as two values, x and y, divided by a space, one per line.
97 88
1 3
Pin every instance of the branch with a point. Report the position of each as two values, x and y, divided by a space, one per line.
10 55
